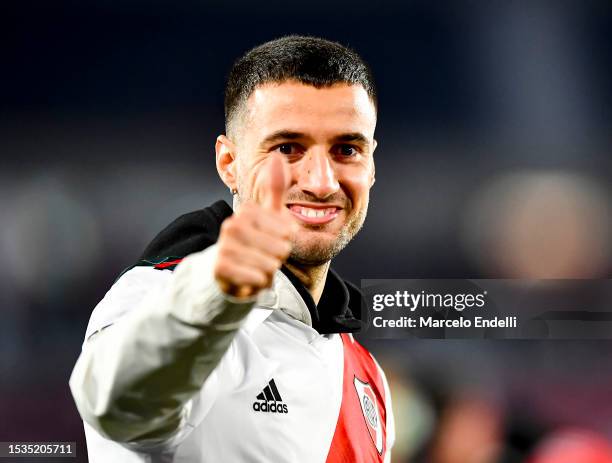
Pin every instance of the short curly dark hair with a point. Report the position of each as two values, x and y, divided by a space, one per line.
310 60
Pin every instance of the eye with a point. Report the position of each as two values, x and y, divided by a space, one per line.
345 150
288 149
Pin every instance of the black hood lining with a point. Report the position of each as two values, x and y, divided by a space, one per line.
342 306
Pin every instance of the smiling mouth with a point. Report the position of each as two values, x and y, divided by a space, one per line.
314 215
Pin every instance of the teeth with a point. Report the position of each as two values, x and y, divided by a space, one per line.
308 212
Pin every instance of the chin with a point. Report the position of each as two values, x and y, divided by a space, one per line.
315 253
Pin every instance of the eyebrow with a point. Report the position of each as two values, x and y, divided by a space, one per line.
354 136
282 135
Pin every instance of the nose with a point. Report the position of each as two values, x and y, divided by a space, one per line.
317 175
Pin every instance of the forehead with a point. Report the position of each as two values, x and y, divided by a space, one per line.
291 105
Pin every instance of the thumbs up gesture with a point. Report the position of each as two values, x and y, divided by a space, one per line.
256 240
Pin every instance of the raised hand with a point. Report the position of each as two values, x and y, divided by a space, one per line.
256 240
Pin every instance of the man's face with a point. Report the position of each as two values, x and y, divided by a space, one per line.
327 137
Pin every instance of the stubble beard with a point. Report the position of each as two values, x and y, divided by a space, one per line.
319 252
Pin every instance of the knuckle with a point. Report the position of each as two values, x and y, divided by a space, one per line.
243 223
228 227
221 269
227 223
223 255
254 278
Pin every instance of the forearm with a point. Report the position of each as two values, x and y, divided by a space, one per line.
133 379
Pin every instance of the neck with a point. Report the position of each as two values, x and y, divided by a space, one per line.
312 277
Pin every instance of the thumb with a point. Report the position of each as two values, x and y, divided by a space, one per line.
274 181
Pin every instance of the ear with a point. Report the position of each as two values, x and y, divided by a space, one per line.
226 161
373 175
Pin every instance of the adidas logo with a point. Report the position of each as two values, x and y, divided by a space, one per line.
269 400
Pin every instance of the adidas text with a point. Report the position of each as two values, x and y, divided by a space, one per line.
272 407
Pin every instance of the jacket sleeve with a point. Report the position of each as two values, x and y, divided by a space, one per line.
138 371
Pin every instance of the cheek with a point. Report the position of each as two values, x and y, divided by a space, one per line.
241 171
247 174
356 182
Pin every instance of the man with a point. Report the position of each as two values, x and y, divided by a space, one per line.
231 339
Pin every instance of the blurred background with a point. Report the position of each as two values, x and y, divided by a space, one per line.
493 161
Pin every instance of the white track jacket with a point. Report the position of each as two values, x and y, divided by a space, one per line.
174 370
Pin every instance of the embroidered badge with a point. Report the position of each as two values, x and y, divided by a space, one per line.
369 407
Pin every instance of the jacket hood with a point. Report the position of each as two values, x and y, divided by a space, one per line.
342 308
